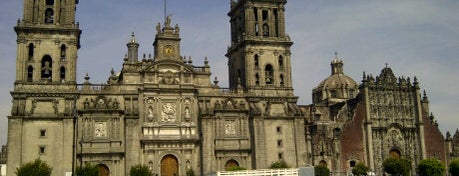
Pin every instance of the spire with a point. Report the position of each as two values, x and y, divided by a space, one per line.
133 49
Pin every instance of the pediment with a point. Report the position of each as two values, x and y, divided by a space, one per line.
170 67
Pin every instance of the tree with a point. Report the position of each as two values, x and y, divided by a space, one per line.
431 167
235 168
397 166
321 171
87 170
190 172
278 165
454 167
140 170
360 169
34 168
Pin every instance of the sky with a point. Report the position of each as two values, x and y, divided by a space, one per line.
414 37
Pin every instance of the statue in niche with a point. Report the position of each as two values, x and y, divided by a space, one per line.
47 68
116 104
86 104
229 105
187 114
218 104
150 114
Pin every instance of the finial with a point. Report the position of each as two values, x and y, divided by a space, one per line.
190 61
112 71
133 40
387 65
206 62
336 55
86 77
216 81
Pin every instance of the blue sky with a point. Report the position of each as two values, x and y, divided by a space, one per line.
415 38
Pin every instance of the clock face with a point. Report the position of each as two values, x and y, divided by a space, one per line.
169 50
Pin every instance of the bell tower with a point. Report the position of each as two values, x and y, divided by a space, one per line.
259 55
47 42
41 123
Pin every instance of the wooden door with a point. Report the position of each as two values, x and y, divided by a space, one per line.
103 170
231 163
169 166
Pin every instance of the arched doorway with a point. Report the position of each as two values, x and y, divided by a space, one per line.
103 170
231 163
323 163
169 166
394 153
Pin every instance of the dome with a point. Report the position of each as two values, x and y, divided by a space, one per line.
337 87
337 81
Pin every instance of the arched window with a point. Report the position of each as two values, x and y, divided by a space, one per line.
31 51
256 60
352 163
281 77
62 76
30 73
257 79
47 67
269 72
49 16
281 62
63 52
49 2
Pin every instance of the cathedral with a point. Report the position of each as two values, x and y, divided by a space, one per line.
169 114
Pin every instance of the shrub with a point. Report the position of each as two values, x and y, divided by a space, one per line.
34 168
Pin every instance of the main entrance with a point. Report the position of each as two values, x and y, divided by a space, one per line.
103 170
169 166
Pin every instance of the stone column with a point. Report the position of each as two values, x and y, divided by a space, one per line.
368 131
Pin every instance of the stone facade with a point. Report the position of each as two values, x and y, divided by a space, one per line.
167 113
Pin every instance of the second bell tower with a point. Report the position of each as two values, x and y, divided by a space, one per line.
259 55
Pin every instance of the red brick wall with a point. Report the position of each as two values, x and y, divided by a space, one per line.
352 138
434 140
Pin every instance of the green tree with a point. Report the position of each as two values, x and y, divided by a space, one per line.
190 172
321 171
87 170
431 167
235 168
397 166
140 170
360 169
34 168
278 165
454 167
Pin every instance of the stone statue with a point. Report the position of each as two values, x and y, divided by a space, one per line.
167 23
158 28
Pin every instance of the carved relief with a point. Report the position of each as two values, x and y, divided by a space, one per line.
168 113
100 129
230 127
